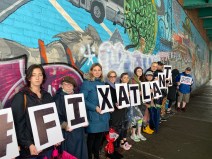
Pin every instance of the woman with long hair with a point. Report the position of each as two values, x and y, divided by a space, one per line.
98 123
31 95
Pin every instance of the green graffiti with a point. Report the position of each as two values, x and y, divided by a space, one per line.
141 24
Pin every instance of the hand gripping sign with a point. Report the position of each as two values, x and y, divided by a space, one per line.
45 125
122 95
8 140
76 111
105 100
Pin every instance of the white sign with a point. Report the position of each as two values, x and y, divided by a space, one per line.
134 94
8 140
146 93
168 73
76 111
45 125
105 100
156 90
162 80
186 80
122 95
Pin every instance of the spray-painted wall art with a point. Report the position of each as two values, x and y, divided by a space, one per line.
68 36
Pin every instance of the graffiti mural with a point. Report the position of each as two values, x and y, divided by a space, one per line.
141 24
13 81
111 9
67 37
116 57
83 46
8 8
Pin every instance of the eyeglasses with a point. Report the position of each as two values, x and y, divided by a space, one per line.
112 76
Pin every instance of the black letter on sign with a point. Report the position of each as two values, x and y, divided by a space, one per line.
162 80
156 89
167 71
42 127
4 139
75 102
144 92
124 97
105 99
134 88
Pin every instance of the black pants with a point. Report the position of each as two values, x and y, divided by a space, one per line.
94 142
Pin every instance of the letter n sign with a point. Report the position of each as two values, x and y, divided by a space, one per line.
105 100
45 125
76 111
8 140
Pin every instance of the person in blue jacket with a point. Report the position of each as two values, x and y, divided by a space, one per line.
98 123
184 88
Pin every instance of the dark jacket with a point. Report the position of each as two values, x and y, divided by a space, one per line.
21 116
172 90
97 122
74 142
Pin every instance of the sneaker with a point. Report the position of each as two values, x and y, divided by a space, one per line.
135 138
140 136
124 146
163 119
127 144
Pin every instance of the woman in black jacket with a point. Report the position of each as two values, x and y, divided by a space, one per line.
31 95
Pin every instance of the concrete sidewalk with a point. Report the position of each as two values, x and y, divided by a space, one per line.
186 135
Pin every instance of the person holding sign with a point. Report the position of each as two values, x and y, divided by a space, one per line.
98 123
74 142
115 118
32 94
146 119
184 81
136 114
124 123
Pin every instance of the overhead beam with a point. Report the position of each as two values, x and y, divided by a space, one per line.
207 23
192 4
205 13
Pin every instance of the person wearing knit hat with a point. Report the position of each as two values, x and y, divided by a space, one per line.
75 142
149 73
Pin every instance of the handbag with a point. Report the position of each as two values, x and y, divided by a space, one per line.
64 155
